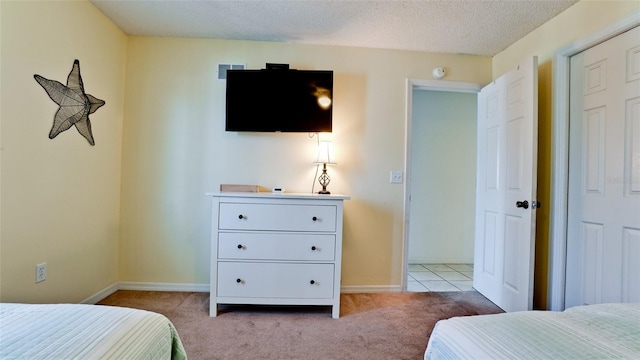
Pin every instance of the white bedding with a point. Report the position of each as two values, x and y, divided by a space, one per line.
73 331
604 331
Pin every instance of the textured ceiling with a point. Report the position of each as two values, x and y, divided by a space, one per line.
478 27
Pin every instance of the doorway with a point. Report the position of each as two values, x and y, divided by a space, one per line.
440 185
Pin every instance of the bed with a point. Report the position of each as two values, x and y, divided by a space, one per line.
75 331
603 331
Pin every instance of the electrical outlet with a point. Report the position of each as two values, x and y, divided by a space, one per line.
395 177
41 272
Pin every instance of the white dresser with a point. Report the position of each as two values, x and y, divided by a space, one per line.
276 249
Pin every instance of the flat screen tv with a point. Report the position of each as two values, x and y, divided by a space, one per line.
277 100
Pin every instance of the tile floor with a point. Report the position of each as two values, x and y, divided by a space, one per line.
440 277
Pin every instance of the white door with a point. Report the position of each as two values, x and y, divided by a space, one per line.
506 188
603 234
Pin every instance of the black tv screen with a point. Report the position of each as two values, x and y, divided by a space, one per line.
277 100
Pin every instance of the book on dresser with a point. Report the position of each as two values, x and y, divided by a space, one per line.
276 249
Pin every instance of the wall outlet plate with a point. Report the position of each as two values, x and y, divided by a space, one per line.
41 272
395 177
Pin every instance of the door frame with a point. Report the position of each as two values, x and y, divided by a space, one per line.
411 85
560 154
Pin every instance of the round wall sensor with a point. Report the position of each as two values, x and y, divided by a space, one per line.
438 72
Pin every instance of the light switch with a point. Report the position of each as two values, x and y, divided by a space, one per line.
396 177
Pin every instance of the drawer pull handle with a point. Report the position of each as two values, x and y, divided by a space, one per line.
313 248
312 282
240 246
240 217
238 280
314 218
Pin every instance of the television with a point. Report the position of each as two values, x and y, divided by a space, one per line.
279 100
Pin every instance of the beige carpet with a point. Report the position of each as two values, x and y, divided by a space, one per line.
371 326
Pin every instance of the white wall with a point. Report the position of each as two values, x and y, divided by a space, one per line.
443 171
60 198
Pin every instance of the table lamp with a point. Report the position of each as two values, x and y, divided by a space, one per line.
325 156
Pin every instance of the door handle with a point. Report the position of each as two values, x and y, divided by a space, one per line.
522 204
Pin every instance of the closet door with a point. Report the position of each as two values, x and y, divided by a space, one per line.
603 236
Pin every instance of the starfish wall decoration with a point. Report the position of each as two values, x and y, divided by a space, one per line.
75 104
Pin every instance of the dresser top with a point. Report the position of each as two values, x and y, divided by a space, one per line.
285 195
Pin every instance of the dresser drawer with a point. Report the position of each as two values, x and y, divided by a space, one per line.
277 217
275 280
276 246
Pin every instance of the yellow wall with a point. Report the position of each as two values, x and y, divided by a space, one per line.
579 21
68 204
0 154
175 149
60 199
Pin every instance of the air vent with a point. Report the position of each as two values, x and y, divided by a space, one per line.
222 69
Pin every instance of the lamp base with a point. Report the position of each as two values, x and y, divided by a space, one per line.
324 180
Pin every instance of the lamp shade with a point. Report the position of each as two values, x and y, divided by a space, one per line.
325 153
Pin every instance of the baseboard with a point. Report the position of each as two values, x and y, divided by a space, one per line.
150 286
446 261
144 286
353 289
101 294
